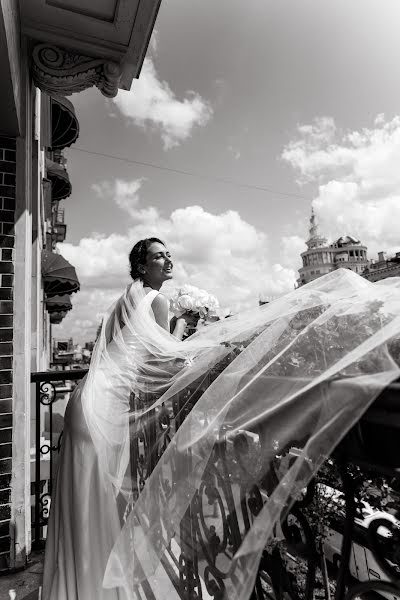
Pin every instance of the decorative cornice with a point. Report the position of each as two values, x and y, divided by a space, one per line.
60 71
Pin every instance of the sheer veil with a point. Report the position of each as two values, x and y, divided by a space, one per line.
239 416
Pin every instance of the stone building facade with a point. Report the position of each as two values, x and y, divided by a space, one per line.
321 258
48 50
383 267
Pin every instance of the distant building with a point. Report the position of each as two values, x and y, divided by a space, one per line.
71 355
383 268
63 352
63 345
321 258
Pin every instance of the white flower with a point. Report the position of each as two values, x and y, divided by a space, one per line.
186 289
190 298
185 302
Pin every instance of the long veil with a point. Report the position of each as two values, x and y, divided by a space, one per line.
206 443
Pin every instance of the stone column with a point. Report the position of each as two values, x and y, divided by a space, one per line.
21 480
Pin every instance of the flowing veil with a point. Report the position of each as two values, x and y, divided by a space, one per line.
207 442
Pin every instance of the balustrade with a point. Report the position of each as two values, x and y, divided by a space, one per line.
231 492
46 394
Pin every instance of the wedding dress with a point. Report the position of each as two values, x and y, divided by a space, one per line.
239 417
85 518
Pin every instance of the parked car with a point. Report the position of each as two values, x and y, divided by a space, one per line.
363 565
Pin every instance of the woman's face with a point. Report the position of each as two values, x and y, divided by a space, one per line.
158 267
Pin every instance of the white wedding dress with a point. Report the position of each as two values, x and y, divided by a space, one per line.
85 519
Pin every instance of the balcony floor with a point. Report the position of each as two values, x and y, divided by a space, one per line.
25 583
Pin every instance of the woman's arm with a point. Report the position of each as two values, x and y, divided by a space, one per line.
160 307
178 327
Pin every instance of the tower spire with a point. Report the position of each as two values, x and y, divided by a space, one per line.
313 225
316 239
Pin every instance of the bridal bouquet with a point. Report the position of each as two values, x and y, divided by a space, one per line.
190 299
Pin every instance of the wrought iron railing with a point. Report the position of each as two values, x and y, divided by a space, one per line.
212 530
295 568
47 392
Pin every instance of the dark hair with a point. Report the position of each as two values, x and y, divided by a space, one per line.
138 255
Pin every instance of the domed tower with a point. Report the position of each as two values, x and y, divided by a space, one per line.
316 259
321 258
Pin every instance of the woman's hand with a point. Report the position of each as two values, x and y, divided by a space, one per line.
188 320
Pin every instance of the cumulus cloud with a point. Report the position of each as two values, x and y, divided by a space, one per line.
125 193
154 42
88 307
358 178
280 281
291 248
151 103
219 252
314 154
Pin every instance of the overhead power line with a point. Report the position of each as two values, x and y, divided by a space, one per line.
190 173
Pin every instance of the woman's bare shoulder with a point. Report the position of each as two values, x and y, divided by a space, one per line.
160 306
160 301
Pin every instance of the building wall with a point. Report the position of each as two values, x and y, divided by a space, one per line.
10 63
24 332
391 270
321 260
16 169
7 233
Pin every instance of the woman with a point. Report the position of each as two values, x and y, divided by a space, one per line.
152 264
219 417
85 517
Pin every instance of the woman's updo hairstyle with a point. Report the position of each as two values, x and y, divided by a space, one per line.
138 256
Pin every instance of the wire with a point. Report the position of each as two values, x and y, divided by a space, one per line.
189 173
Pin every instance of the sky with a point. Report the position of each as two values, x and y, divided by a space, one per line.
244 116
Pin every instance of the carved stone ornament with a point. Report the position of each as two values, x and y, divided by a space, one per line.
59 71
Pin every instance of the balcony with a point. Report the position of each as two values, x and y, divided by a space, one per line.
78 44
58 307
59 232
300 566
59 228
61 186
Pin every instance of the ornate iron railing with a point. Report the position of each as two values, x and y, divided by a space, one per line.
47 392
371 450
294 569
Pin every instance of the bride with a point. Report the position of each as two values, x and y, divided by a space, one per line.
160 429
85 520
